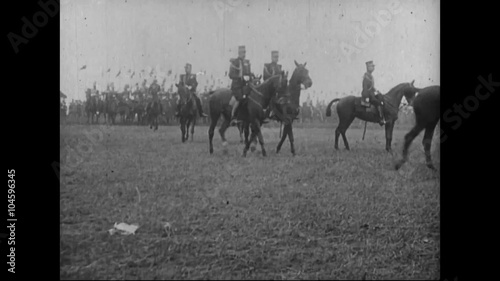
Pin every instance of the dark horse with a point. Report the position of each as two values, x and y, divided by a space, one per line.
111 105
188 111
350 107
427 113
252 110
153 111
288 106
93 107
219 104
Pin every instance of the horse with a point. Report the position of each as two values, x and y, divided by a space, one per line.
90 106
188 111
349 108
153 110
169 107
253 108
110 107
288 109
219 104
427 114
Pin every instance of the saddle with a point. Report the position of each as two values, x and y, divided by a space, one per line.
365 102
366 106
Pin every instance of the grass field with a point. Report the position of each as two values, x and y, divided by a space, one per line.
324 214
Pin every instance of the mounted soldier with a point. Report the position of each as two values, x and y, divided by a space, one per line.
189 81
239 73
94 91
153 90
271 69
368 93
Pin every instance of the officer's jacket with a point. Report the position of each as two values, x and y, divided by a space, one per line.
271 69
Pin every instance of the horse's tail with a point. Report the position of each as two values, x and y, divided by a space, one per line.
329 109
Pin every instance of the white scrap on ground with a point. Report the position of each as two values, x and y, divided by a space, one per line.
123 228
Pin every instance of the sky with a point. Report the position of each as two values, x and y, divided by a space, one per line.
335 38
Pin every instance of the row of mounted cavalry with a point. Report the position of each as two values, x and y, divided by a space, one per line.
284 94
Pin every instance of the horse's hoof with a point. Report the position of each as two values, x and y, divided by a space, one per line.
252 149
430 166
398 165
264 153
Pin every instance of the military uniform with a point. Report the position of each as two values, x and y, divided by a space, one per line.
239 73
189 80
237 70
153 91
369 90
271 69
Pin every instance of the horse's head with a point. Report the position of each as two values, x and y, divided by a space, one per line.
255 80
406 90
409 92
300 75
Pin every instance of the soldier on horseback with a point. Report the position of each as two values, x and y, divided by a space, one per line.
239 73
153 90
271 69
94 91
189 80
368 93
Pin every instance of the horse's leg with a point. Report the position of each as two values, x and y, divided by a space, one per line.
343 128
188 124
427 141
409 137
192 128
261 141
222 129
389 127
283 138
246 130
247 144
290 138
253 145
241 131
182 128
213 124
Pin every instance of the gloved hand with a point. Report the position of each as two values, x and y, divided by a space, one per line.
246 78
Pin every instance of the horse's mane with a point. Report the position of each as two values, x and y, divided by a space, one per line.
397 88
267 81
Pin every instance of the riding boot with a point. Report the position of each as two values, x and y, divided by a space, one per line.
233 113
200 110
382 118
